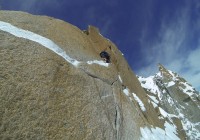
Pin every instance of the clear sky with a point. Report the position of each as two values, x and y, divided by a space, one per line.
146 31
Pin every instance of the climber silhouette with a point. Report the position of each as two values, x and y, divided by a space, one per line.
105 56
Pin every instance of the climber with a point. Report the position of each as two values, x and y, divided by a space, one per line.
105 56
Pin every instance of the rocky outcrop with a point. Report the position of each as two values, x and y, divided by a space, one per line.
54 85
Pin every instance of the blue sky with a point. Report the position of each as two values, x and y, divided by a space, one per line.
146 31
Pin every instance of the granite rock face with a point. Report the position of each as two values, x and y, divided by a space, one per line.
54 85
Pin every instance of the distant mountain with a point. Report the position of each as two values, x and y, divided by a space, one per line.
174 98
54 85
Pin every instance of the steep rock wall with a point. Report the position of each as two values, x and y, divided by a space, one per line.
72 96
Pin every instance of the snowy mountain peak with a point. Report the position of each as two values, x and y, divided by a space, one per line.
168 74
173 97
170 78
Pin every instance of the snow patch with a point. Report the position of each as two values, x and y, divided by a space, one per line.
174 77
149 84
171 131
154 101
102 63
137 99
189 90
153 98
154 104
163 112
170 101
159 134
159 74
120 79
166 115
171 83
126 91
139 102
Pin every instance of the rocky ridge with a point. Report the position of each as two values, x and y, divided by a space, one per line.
175 99
54 85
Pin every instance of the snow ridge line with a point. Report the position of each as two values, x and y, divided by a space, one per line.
47 43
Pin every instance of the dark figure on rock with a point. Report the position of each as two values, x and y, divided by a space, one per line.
105 56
